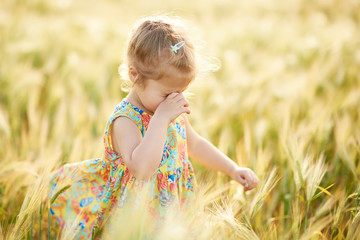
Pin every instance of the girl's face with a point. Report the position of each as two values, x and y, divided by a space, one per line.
153 92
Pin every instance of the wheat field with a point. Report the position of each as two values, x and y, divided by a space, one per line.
284 102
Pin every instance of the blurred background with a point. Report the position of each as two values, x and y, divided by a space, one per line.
285 103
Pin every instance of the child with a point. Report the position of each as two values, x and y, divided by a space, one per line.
147 138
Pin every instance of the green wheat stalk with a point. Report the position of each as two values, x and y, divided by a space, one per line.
49 223
40 213
59 192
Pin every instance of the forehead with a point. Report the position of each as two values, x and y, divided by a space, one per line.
174 80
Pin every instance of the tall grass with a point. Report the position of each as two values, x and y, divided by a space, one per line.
285 103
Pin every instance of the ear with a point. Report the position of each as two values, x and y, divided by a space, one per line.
133 73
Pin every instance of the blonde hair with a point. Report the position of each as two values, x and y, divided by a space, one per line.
149 49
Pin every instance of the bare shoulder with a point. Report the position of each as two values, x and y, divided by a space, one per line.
125 136
123 123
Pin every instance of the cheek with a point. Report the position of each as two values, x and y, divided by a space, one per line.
156 101
153 102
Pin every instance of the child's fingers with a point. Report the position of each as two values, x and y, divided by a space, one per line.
256 179
252 180
176 96
251 177
186 110
172 95
242 181
183 102
180 98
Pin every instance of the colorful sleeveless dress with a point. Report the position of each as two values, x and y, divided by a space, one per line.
98 186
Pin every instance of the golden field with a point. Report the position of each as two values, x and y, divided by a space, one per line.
285 103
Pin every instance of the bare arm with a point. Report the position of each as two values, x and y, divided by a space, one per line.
143 155
207 154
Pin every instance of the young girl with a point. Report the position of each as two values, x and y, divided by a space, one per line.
148 138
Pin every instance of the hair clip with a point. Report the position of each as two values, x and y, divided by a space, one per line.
177 46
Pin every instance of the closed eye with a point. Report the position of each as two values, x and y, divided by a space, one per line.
167 94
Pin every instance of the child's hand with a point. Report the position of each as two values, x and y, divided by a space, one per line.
173 105
245 177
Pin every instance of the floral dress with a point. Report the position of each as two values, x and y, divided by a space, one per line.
98 186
